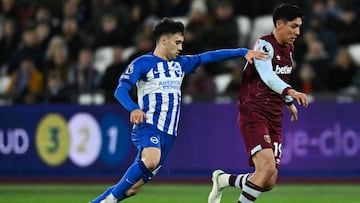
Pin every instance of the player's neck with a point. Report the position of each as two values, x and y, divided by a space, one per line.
278 38
159 53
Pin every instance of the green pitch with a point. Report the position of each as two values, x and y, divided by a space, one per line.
176 193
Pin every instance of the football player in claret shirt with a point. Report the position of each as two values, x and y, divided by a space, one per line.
158 76
264 92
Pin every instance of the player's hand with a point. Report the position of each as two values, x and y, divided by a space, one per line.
137 116
300 97
254 54
294 112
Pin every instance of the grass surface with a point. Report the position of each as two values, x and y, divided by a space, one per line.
176 193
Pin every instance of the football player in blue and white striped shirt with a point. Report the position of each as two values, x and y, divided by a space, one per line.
158 77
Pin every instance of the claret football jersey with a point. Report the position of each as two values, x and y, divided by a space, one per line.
267 96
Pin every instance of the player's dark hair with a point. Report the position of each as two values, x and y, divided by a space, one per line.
167 26
287 12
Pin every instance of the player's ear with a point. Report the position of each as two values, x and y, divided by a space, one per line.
163 40
279 23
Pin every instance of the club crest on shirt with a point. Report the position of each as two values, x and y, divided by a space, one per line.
177 67
154 140
267 138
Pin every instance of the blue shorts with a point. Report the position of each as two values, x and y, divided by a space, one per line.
146 135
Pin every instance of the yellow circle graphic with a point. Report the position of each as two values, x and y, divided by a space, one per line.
53 139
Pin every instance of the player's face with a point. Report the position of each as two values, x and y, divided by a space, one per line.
289 30
173 45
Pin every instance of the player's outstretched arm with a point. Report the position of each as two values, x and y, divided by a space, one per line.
255 54
224 54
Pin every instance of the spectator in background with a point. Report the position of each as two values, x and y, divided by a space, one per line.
342 72
28 49
222 33
333 11
10 10
306 80
84 78
57 59
56 91
73 38
224 29
70 10
153 7
302 44
200 84
346 24
43 35
148 25
325 35
8 43
109 34
144 44
174 8
199 21
117 7
138 17
318 58
110 79
43 15
26 83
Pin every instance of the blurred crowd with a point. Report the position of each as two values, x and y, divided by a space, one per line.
73 51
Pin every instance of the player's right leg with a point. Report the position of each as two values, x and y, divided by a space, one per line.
217 189
263 179
258 141
221 180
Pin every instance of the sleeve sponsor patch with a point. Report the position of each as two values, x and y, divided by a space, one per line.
130 69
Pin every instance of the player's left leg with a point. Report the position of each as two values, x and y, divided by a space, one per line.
153 148
128 185
103 195
147 159
138 174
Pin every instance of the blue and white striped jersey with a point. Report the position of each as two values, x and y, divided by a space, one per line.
159 85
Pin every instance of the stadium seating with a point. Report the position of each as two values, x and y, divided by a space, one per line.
127 52
261 25
354 50
222 81
244 26
103 57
